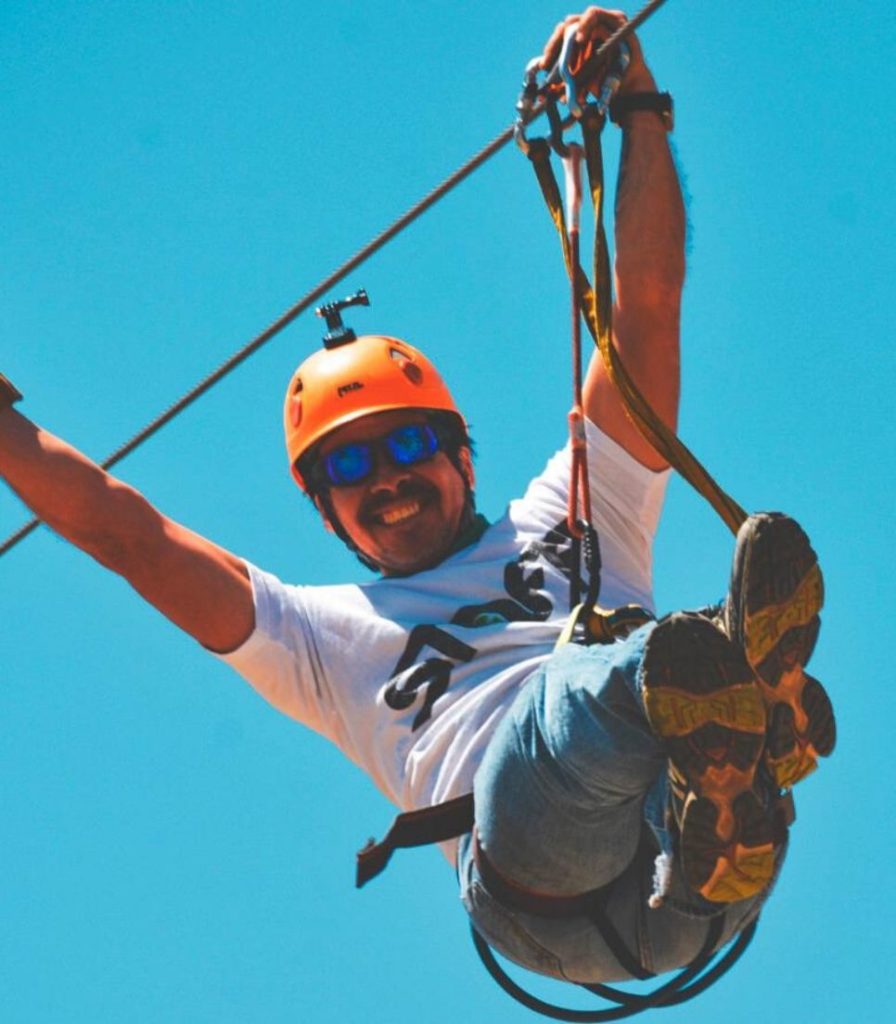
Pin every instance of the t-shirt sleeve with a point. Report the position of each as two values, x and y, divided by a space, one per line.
280 658
626 501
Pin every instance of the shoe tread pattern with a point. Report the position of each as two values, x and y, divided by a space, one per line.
702 699
776 593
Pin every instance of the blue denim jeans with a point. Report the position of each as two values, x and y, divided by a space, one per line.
572 781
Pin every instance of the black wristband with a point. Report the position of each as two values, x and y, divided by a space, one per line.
9 393
656 102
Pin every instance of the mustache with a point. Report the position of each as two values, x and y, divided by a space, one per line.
408 490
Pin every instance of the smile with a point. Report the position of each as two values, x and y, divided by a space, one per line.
399 513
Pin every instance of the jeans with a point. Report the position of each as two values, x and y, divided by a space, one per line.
571 783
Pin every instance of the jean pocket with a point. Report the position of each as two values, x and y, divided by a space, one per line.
503 930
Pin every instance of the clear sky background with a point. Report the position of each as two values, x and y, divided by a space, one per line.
175 175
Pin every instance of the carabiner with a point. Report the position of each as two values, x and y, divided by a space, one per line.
567 51
556 123
525 105
611 83
614 78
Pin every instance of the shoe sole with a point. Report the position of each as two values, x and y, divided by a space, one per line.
702 699
776 594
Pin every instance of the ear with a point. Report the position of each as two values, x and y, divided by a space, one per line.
319 505
465 458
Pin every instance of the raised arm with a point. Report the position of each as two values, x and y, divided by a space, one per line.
199 586
649 271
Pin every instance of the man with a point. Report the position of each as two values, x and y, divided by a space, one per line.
590 766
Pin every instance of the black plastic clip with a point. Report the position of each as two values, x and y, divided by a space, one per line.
338 334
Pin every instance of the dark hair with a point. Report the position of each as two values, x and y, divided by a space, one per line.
455 437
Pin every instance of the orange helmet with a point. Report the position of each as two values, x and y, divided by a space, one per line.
365 375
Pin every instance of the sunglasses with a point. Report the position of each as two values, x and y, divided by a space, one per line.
353 463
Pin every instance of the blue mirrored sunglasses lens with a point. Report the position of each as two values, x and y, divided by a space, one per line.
412 443
406 446
349 464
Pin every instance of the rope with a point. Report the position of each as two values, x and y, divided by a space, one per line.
363 254
664 440
596 307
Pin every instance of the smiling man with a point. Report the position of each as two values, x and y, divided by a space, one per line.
648 770
374 436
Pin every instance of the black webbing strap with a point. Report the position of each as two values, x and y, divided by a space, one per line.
434 824
456 817
592 904
689 982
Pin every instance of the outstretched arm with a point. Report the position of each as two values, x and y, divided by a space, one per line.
649 271
199 586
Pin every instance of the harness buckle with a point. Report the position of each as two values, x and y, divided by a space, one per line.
590 624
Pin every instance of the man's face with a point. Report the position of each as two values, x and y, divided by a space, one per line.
403 518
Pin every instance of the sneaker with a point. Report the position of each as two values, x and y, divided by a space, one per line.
775 596
703 701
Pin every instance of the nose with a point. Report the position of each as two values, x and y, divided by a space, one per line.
387 475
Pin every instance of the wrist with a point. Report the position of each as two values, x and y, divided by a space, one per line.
651 110
9 393
638 78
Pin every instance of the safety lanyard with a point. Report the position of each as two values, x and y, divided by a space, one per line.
596 308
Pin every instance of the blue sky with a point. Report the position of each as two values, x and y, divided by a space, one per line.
175 175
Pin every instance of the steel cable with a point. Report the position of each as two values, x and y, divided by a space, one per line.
363 254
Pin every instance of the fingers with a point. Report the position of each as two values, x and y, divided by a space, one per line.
552 47
594 25
597 24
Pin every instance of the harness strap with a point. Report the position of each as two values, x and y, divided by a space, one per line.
596 306
581 531
434 824
592 904
689 982
663 439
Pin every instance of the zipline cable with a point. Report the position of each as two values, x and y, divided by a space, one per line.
419 208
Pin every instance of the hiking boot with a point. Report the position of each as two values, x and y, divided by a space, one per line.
703 701
772 608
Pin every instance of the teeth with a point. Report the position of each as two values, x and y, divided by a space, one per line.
399 513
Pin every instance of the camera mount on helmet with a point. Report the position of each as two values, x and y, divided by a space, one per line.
338 334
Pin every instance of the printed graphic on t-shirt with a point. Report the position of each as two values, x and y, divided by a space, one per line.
528 600
409 676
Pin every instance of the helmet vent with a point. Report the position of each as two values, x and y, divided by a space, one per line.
295 411
407 366
413 372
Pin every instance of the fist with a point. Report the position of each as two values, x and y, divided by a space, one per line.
594 26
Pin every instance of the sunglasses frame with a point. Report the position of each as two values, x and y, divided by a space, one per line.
319 475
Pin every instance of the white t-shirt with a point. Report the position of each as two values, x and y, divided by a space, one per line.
409 676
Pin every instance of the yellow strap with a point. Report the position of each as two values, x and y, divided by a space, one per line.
598 625
597 311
